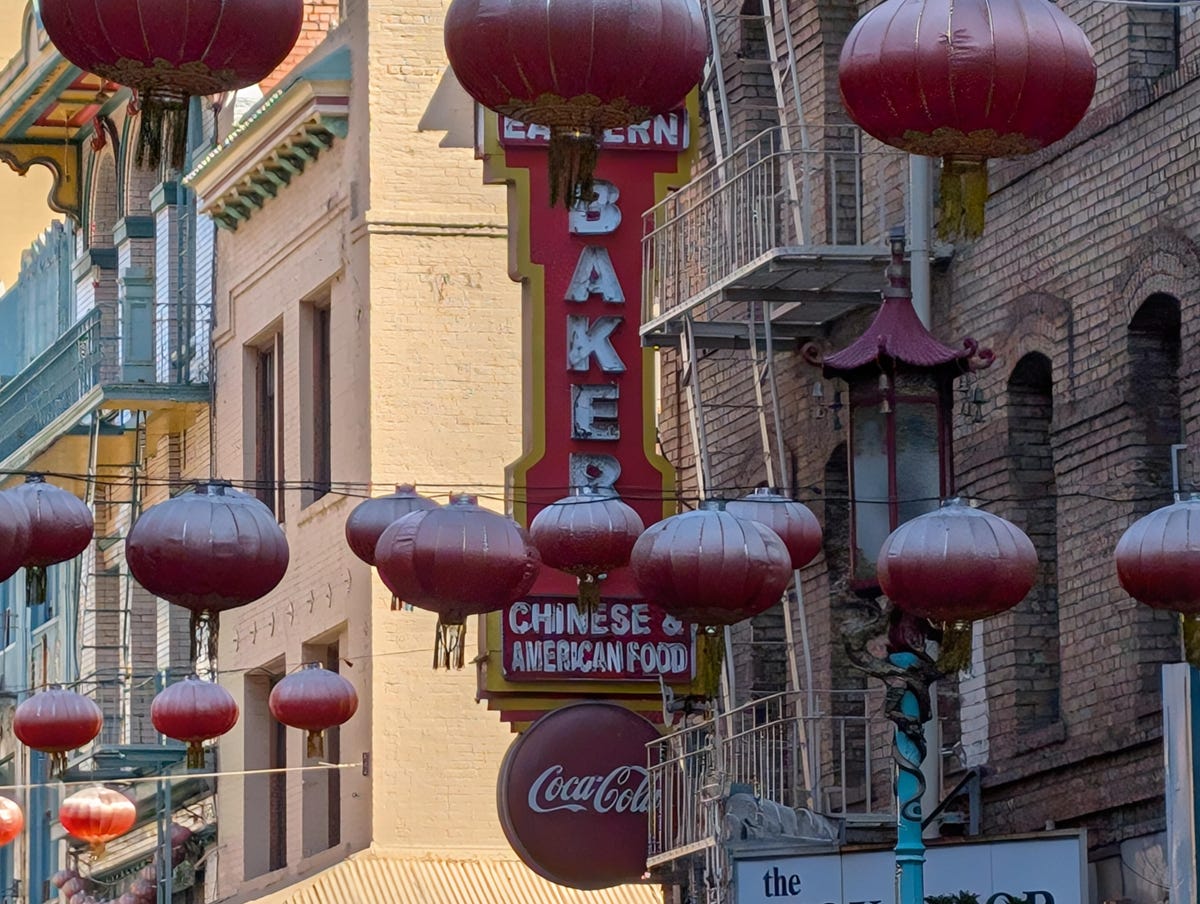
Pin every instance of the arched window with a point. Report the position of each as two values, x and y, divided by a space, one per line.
1035 622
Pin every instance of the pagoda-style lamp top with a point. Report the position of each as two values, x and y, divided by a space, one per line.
900 380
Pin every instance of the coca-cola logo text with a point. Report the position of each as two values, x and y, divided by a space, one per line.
626 789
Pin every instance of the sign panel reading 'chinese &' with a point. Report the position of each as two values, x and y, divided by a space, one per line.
549 638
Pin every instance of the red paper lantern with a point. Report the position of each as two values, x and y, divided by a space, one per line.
97 815
586 535
456 560
16 532
577 66
57 721
370 519
957 564
1158 558
966 81
795 523
170 52
209 550
143 891
710 567
60 528
194 711
12 820
313 699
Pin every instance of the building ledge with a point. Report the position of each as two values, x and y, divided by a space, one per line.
275 142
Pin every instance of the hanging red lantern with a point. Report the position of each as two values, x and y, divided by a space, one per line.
955 565
793 521
12 820
62 877
370 519
194 711
60 528
456 560
313 699
713 569
97 815
16 532
966 81
1158 558
588 535
578 67
143 891
710 567
171 52
57 721
209 550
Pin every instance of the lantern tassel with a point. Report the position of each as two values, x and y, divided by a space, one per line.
195 755
58 764
35 585
572 164
589 592
449 651
1190 629
963 198
98 849
315 744
955 655
164 130
710 657
204 636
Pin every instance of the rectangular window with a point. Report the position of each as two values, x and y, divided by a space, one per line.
322 414
265 747
268 425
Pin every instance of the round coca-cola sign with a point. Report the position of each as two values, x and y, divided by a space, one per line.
574 795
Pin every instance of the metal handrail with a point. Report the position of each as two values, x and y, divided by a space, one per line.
759 747
842 189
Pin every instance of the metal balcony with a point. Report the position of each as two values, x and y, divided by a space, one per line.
835 762
97 363
796 222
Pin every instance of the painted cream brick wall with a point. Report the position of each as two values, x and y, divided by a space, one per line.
412 250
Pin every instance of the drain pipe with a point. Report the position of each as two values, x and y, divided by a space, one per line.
920 209
920 198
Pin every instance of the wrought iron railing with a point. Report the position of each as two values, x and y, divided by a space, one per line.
825 188
91 353
836 761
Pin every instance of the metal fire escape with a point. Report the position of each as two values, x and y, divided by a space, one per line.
780 236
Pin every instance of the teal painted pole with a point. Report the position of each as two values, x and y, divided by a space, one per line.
910 786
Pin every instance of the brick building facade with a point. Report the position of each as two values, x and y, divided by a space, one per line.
1084 285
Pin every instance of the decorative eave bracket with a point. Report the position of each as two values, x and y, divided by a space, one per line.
269 148
66 194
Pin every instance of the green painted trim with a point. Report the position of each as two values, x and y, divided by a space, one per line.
104 258
134 227
51 91
163 195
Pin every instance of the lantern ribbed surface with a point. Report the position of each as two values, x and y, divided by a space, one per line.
589 533
371 518
16 533
457 560
12 820
60 522
1158 558
97 815
578 67
57 721
957 563
710 567
171 50
209 550
978 78
793 521
313 699
194 711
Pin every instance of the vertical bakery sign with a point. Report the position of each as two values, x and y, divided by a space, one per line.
589 410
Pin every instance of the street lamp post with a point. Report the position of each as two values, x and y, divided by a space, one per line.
900 382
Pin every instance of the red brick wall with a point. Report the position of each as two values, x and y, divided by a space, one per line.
320 17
